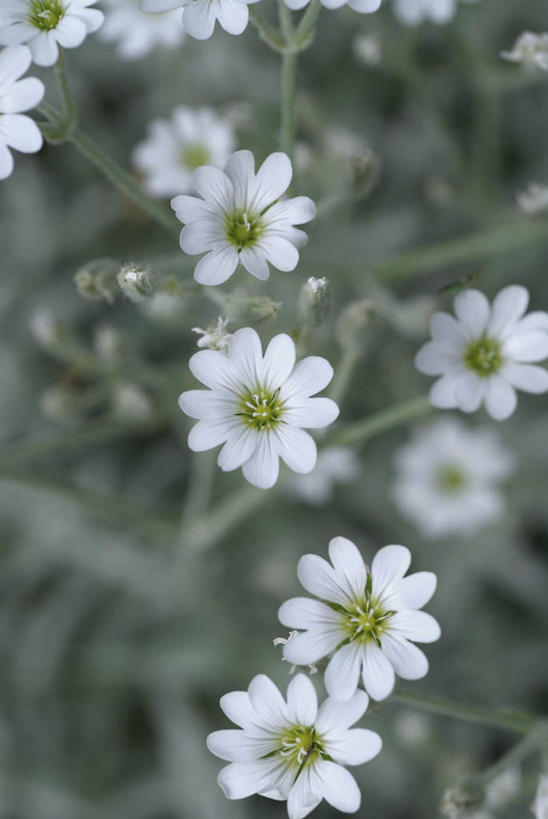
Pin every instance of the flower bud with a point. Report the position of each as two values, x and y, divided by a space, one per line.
136 282
97 280
458 802
352 324
314 301
60 403
108 342
131 403
254 308
215 337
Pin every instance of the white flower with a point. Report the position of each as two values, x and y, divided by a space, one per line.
44 25
503 788
136 33
258 406
367 617
530 49
534 199
447 478
200 16
17 95
175 147
486 353
336 464
367 49
413 12
362 6
215 337
241 217
291 749
540 807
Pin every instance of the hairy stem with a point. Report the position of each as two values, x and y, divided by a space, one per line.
268 34
360 431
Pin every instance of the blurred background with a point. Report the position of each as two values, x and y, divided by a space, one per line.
138 583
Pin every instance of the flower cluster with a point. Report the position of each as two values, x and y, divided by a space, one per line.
16 96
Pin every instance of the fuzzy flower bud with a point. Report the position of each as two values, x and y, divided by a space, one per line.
97 280
136 282
314 301
534 199
214 337
130 403
108 342
530 49
352 324
460 801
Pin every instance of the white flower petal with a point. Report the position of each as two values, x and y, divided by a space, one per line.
272 180
280 253
302 612
238 449
214 369
238 708
446 330
217 266
509 305
296 211
415 625
279 360
378 674
528 346
254 261
338 786
245 353
470 389
232 16
296 448
14 62
408 661
433 359
207 434
526 377
337 716
199 19
240 169
355 747
388 567
311 375
44 48
349 566
310 646
537 320
239 746
311 413
201 403
6 161
473 311
190 208
71 32
343 672
302 798
21 132
500 398
302 701
242 779
213 185
200 236
263 466
442 392
23 95
267 700
415 591
319 578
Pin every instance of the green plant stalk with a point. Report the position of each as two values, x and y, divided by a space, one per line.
343 374
307 27
287 127
531 743
510 720
361 431
268 34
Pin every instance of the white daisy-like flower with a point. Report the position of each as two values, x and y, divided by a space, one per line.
447 478
17 95
44 25
530 49
361 6
136 33
200 16
413 12
366 618
336 464
258 406
534 199
241 217
175 147
289 749
486 352
540 806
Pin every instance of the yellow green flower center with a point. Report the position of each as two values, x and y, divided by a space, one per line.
193 156
484 356
46 14
301 745
366 619
261 408
451 478
243 229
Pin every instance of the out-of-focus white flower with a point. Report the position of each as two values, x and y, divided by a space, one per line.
540 805
534 199
503 789
214 337
44 328
200 16
44 25
361 6
130 403
447 478
17 95
242 217
367 50
314 301
486 353
291 749
411 728
530 49
413 12
175 147
374 618
137 33
258 406
336 464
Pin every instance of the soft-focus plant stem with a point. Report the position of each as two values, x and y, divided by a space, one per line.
228 514
360 431
531 743
343 374
268 34
287 127
509 720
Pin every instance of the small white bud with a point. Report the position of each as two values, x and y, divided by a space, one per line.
353 323
136 282
108 342
314 301
97 280
534 199
130 403
215 337
367 50
530 49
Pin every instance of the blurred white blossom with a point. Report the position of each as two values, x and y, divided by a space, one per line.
136 33
289 749
336 464
44 25
413 12
215 337
17 95
534 199
447 478
361 6
540 806
199 16
242 217
131 403
503 788
530 49
175 147
486 353
367 49
258 406
373 624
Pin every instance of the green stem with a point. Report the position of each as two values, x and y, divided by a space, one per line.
510 720
67 100
343 374
515 756
360 431
198 495
267 32
307 27
229 513
123 181
287 128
